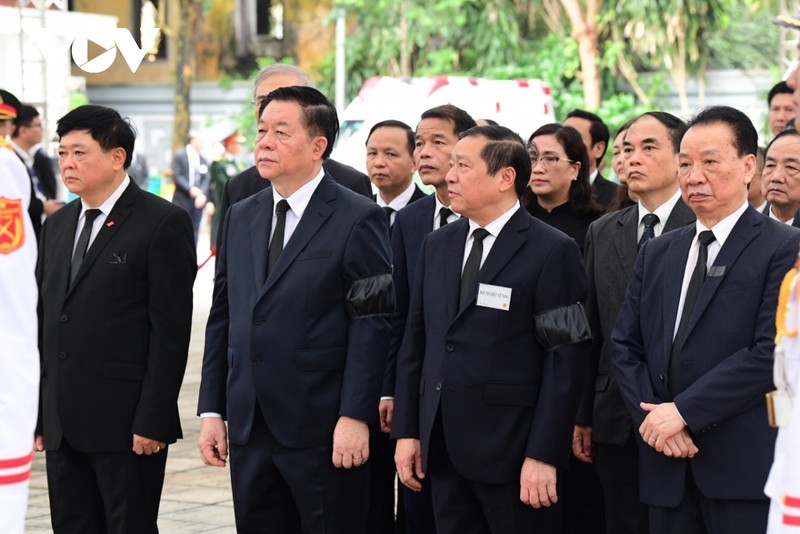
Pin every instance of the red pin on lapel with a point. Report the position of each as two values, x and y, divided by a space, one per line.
110 224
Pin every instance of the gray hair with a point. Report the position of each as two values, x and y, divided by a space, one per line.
282 68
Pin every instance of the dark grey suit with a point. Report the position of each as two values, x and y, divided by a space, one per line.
610 254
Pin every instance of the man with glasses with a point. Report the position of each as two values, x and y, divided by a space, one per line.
28 134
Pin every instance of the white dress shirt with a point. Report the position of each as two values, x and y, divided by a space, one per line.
721 232
399 202
452 218
105 209
662 212
298 202
493 228
773 216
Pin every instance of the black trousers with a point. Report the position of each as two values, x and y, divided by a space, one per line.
282 490
108 492
463 506
697 514
617 467
381 516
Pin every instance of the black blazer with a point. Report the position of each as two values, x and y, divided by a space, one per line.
726 360
610 253
604 191
249 182
43 166
486 368
411 226
180 176
114 345
306 343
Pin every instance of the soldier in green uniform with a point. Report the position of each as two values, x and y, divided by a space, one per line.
222 170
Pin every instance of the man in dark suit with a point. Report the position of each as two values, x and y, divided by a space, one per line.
604 432
781 176
390 166
191 175
116 269
595 135
28 133
249 182
298 333
694 340
435 136
494 356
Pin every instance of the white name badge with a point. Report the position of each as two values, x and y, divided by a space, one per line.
496 297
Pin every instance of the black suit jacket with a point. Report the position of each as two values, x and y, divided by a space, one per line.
180 176
43 166
726 360
248 182
503 395
610 254
604 191
412 225
308 342
114 344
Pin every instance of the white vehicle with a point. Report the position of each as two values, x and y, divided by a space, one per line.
521 105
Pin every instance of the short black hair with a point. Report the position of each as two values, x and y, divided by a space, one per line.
319 115
598 129
504 149
396 124
462 121
745 137
105 125
25 116
675 126
784 133
779 88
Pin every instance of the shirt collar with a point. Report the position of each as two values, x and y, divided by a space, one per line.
108 205
593 175
773 216
24 154
298 201
400 201
663 211
439 206
496 225
724 227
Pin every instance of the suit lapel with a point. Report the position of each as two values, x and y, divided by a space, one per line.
260 229
624 239
745 230
64 239
674 267
453 262
316 213
114 221
681 216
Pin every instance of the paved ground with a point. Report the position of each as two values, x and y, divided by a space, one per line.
196 498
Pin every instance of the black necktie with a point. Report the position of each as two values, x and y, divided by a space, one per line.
444 214
388 211
276 245
650 221
695 283
470 275
83 243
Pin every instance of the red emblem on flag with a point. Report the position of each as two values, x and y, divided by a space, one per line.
12 225
110 224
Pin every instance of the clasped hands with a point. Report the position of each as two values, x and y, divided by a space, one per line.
664 430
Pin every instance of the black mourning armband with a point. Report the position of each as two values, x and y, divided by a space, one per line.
562 326
371 296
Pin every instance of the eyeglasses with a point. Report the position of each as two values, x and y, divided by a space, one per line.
548 161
